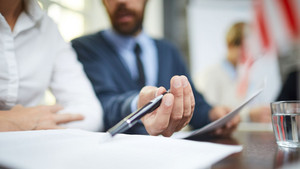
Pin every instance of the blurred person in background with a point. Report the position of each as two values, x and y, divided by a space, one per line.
219 83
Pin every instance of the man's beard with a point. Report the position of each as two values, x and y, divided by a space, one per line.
128 31
131 28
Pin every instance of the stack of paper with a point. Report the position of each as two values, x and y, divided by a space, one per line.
221 121
55 149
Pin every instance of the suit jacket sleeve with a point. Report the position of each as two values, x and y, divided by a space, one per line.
115 101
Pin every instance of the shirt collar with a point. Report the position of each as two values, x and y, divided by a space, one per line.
229 68
33 10
126 42
29 17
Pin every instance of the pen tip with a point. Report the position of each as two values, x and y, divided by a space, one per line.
107 137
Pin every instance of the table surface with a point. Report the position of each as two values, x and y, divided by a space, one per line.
259 151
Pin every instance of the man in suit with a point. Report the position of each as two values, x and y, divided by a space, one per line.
122 60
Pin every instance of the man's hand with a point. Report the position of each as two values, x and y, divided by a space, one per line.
35 118
261 114
220 111
175 111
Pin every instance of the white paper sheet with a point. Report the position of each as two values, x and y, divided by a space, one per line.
63 149
222 121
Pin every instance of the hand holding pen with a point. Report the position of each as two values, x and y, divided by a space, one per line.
176 117
175 110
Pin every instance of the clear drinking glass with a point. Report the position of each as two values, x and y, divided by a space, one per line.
286 122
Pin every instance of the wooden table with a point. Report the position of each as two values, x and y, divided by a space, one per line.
259 151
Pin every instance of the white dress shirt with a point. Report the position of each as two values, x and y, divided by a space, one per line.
219 83
149 56
34 58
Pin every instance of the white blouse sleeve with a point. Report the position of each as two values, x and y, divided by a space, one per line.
73 91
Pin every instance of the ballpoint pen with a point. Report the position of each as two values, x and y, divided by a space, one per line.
134 117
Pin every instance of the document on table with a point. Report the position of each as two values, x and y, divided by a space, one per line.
69 148
220 122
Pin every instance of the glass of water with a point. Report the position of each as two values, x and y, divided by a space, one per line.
286 123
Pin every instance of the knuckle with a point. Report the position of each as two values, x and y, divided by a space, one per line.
177 117
50 118
187 114
177 92
187 111
158 129
167 134
163 127
44 109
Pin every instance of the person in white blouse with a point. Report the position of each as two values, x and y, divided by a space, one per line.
34 57
219 83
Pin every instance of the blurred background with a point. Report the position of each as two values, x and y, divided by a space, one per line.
268 54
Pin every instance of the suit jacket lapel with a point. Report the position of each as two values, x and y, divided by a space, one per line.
115 60
161 63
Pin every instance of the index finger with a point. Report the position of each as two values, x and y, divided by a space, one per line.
65 118
55 108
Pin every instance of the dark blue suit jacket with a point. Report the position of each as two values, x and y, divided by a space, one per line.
114 86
